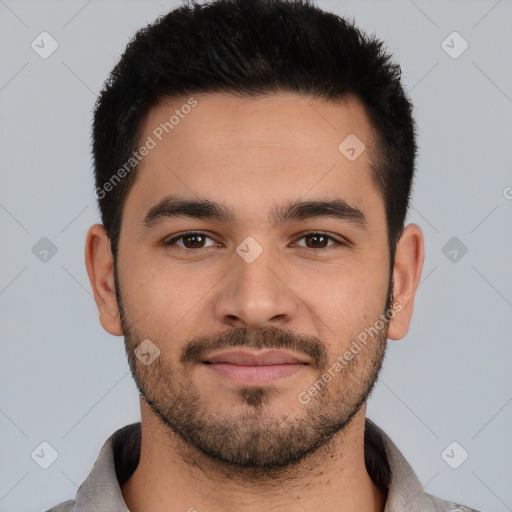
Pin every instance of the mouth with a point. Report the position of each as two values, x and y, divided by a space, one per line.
245 366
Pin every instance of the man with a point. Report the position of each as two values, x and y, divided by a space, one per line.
253 164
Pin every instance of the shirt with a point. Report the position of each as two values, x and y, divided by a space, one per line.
118 459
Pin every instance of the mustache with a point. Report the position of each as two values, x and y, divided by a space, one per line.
266 337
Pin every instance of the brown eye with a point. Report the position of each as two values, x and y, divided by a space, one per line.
193 241
316 241
319 241
189 241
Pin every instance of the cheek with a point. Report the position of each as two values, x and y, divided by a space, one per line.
150 296
349 300
162 299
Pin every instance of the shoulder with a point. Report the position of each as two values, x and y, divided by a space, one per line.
65 506
448 506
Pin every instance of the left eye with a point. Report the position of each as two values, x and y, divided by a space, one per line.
196 240
319 238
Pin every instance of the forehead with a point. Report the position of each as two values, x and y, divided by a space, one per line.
250 152
220 122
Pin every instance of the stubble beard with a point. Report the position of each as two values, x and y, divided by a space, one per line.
260 438
261 441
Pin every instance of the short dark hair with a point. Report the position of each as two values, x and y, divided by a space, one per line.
253 48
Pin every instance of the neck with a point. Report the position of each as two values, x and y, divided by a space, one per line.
171 476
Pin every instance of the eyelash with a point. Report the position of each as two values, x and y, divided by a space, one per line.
309 233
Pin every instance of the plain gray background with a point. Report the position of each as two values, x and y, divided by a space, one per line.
65 381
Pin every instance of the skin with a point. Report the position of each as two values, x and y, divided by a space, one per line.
253 155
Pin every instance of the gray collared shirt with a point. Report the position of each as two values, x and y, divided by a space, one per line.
119 457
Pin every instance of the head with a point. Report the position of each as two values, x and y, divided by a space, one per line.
281 137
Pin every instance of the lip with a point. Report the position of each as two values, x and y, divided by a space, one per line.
249 357
245 367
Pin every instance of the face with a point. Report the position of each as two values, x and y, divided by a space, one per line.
251 296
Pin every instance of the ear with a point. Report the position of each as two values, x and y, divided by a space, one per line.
99 262
407 269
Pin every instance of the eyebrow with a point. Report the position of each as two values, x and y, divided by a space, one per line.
173 206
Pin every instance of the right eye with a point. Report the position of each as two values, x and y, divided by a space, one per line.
192 241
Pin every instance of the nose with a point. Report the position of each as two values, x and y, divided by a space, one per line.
256 294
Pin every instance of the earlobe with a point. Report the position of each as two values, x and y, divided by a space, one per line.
100 268
407 269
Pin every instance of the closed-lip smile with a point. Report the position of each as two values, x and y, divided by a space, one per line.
251 357
250 366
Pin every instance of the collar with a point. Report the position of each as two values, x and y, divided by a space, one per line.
387 467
